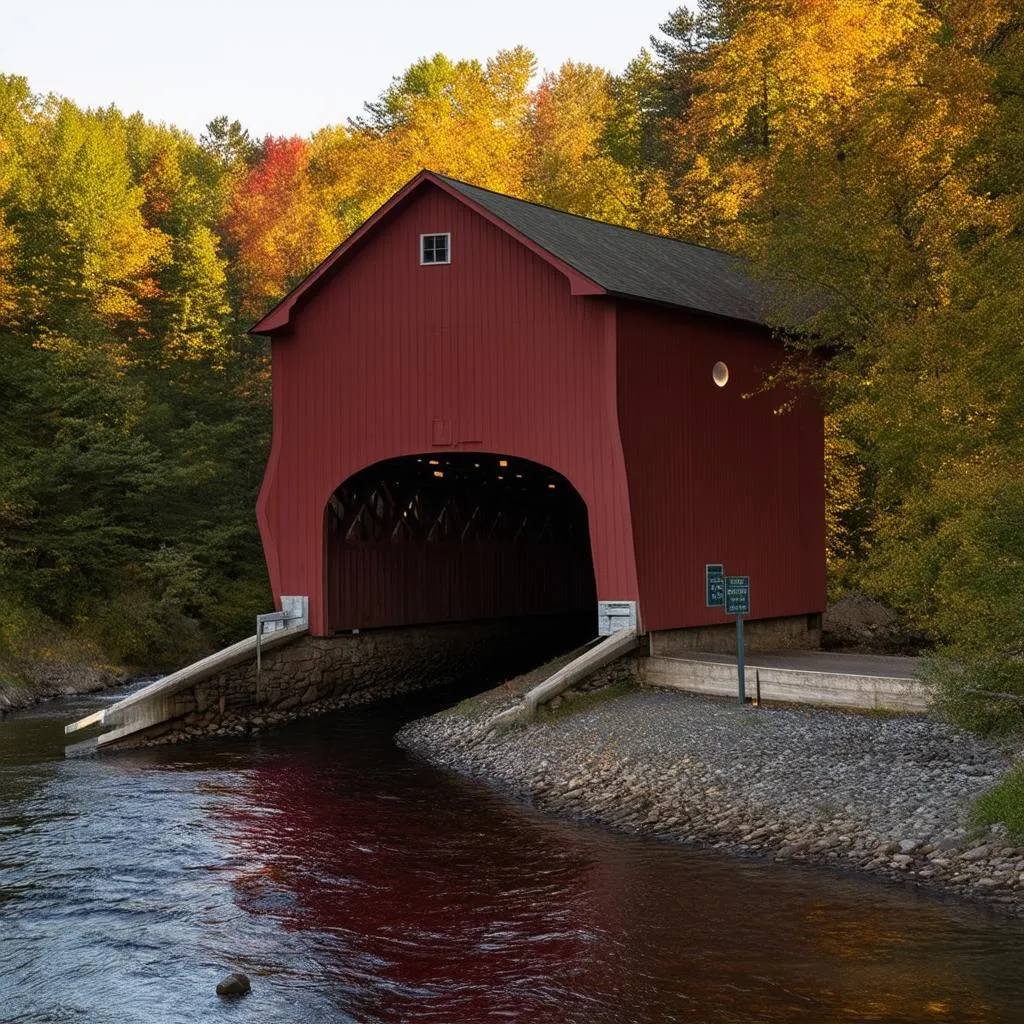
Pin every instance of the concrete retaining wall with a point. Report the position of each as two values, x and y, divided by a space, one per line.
314 674
788 685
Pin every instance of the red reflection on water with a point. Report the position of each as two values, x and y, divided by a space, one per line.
429 899
433 910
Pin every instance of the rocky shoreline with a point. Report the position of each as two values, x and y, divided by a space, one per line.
886 795
48 680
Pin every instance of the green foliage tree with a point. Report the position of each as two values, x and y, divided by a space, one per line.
633 137
131 420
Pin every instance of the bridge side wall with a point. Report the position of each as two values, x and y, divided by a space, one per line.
492 353
317 674
717 474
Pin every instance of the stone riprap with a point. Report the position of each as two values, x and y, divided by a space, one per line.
888 795
315 674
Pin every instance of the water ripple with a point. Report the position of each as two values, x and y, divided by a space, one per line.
354 885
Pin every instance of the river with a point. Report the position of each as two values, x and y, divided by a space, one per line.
353 883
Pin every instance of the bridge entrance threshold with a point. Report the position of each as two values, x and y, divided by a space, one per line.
864 681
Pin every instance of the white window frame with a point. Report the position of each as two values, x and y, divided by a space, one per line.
447 235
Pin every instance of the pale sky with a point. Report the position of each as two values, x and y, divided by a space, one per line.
289 67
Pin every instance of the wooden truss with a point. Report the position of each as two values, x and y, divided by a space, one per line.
389 507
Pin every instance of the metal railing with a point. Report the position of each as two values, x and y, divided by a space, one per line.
294 612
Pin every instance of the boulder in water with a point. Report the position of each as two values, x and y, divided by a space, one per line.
234 985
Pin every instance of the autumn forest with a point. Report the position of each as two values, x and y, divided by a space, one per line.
869 152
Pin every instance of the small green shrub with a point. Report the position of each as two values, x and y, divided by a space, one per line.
826 810
8 674
470 708
134 629
980 692
1004 802
28 635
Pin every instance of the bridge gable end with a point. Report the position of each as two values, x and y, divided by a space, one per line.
279 317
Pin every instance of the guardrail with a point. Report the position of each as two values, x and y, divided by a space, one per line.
149 706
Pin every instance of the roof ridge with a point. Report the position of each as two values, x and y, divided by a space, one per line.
590 220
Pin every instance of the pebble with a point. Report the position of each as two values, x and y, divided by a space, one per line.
978 853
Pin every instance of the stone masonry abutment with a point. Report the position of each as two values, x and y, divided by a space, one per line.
311 675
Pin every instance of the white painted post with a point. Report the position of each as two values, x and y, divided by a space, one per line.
614 616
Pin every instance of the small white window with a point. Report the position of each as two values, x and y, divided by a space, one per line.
435 249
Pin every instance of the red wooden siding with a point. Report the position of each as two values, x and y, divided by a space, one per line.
715 476
491 353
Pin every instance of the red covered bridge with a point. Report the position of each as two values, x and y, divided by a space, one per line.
488 408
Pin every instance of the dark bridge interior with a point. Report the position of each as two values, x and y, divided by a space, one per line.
455 537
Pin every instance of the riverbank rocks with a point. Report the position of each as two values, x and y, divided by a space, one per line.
45 680
234 985
886 795
857 622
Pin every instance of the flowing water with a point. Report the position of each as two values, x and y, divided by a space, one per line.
353 883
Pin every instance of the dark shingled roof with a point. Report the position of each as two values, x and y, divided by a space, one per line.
633 263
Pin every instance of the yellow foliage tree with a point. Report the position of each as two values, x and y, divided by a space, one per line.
86 247
567 167
847 110
460 118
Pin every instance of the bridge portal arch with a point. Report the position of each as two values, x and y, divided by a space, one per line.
455 537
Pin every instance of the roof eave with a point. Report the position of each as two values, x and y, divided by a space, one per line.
579 283
750 321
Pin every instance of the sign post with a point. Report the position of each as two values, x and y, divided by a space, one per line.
737 602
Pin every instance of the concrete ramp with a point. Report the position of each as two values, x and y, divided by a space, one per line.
155 703
801 677
595 657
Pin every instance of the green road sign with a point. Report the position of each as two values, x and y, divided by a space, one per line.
714 585
737 595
